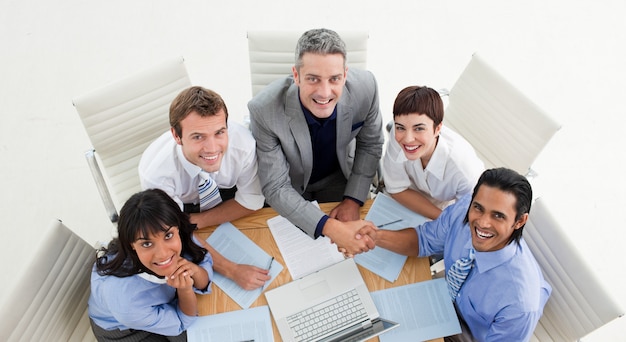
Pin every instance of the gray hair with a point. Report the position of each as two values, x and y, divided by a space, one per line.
319 41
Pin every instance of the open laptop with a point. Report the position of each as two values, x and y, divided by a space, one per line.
332 304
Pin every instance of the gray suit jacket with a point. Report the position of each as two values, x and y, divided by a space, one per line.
284 149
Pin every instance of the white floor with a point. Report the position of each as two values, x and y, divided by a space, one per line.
565 55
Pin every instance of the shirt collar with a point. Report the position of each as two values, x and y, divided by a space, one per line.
437 163
488 260
192 170
152 278
310 118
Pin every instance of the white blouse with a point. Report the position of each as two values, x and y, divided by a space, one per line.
452 171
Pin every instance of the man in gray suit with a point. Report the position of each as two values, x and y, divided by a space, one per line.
319 137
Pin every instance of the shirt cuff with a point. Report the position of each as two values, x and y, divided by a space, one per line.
354 199
185 320
320 226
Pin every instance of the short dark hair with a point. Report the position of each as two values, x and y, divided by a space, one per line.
203 101
420 100
322 42
512 182
146 212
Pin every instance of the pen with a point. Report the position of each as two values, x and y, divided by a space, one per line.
388 223
269 264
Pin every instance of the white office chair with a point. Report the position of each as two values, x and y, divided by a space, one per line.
122 119
504 126
48 302
579 303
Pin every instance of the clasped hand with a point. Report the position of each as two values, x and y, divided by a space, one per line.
182 278
349 240
347 234
366 233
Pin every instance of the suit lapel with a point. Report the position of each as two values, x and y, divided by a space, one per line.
299 130
344 124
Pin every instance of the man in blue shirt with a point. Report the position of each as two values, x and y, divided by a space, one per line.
504 293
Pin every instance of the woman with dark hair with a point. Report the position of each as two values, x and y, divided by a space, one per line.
144 284
427 166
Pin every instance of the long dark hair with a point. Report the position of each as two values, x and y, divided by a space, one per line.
146 212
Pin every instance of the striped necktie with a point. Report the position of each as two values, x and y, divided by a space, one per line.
458 272
208 192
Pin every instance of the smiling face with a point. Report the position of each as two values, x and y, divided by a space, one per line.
159 252
204 139
321 79
416 135
491 218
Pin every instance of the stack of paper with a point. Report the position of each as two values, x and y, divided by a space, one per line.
235 326
302 254
424 311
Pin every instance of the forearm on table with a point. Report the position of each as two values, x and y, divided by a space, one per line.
221 265
417 203
402 242
225 212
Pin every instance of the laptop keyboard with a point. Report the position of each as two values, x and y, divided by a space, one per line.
338 312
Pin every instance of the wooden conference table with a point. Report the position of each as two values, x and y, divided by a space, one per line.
255 227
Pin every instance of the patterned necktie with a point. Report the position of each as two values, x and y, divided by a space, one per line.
458 272
208 192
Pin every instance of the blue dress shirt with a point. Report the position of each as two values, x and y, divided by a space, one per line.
505 292
140 302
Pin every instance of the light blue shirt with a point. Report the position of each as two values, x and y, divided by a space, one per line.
140 302
503 296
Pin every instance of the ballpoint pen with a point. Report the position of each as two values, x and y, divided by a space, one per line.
269 264
388 223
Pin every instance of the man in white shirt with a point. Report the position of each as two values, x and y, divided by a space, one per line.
201 142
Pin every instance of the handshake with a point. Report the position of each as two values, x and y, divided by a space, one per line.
356 237
362 236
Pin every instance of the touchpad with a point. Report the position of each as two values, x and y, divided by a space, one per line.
312 290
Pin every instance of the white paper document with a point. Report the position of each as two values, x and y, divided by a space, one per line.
234 326
424 311
302 254
384 210
237 247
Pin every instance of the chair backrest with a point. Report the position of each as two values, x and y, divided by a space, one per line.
48 301
503 125
579 303
272 54
124 117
